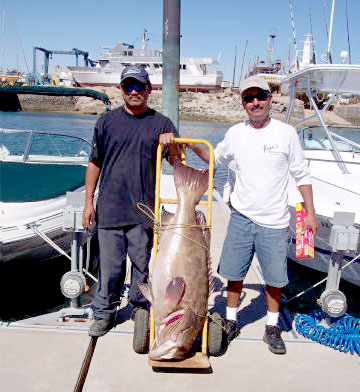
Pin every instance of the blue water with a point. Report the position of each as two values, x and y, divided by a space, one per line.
83 125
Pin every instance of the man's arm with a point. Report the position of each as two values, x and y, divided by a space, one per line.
307 195
201 152
91 178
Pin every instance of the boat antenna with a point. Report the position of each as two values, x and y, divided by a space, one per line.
294 37
329 59
312 42
326 25
348 34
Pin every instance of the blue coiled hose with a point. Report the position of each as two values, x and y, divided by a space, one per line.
342 335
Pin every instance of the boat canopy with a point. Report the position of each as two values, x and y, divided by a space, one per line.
325 78
56 91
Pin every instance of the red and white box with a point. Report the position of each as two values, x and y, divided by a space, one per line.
304 239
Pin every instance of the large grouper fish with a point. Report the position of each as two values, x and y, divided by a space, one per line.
180 279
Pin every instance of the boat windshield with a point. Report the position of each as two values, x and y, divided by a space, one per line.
345 138
34 146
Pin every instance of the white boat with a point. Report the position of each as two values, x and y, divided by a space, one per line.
334 158
37 169
194 72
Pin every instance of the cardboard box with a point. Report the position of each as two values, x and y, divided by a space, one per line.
304 239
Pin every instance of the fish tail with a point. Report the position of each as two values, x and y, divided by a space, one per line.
190 183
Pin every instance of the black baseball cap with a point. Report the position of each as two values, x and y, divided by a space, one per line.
136 72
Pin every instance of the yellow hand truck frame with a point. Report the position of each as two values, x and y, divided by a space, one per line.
200 361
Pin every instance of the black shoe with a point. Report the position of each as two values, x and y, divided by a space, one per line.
100 327
272 337
231 330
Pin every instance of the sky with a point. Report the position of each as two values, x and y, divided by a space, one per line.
209 28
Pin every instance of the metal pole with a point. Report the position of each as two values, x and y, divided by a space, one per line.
171 61
329 60
335 151
34 60
85 365
334 271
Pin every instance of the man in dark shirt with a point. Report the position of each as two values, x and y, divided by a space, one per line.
124 159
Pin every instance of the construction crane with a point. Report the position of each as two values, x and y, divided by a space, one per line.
48 54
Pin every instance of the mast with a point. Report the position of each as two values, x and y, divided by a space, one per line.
312 40
270 51
348 34
144 42
294 38
233 80
242 65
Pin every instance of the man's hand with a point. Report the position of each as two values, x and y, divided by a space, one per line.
166 138
312 223
88 216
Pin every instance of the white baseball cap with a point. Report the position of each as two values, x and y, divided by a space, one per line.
255 81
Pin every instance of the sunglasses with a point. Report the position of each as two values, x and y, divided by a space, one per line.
134 86
260 96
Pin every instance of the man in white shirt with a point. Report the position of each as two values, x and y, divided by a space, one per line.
266 151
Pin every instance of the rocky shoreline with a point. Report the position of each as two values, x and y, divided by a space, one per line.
224 106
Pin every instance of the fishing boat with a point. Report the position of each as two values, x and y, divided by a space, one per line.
333 153
194 72
37 170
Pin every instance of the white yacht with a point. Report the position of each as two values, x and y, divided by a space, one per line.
333 153
194 71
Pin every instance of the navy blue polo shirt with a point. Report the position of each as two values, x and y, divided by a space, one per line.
126 145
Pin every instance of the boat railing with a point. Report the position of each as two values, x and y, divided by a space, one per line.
42 147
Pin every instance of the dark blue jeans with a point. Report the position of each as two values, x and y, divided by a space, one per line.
114 245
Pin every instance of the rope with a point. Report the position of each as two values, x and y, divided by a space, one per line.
343 335
171 226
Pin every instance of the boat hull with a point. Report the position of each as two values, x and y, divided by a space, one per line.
86 76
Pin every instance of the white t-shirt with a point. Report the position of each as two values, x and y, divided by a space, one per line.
264 158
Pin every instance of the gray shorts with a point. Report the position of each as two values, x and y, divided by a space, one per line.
243 238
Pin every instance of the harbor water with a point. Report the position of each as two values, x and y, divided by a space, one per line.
36 289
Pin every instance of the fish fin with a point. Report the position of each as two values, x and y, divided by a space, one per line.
146 291
175 291
166 216
201 220
190 183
